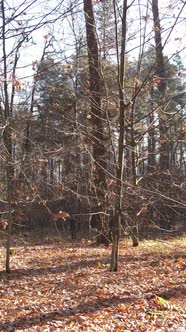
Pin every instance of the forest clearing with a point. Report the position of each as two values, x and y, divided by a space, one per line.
67 286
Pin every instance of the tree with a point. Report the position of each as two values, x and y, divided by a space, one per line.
119 172
99 152
160 72
98 124
7 137
17 30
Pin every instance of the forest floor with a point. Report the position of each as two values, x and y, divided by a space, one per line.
67 286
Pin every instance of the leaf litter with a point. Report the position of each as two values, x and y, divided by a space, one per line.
68 287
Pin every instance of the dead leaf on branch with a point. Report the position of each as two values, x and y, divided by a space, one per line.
137 82
16 83
3 224
60 215
146 18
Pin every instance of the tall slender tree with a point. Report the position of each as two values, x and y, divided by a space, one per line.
99 150
164 141
115 227
7 137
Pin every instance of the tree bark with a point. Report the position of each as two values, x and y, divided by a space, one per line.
99 150
160 72
7 138
151 138
115 227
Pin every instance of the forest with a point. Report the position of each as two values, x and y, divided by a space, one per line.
93 165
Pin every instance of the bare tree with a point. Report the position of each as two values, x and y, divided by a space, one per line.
160 72
115 227
18 25
99 152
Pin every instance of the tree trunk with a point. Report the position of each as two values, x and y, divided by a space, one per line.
115 229
134 226
7 137
160 72
99 150
151 137
27 144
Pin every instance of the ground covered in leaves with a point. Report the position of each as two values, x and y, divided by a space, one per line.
59 286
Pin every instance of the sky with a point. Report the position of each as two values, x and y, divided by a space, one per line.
62 33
